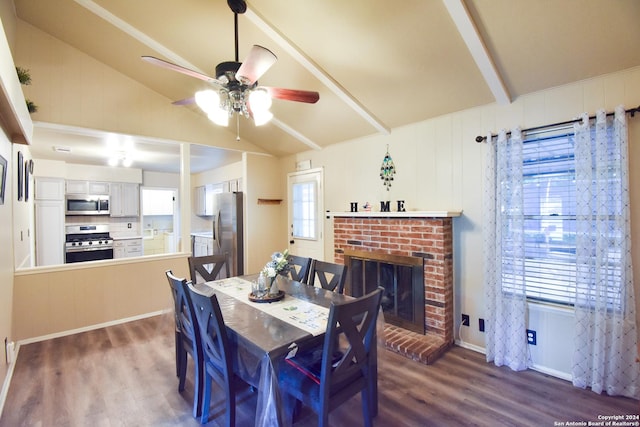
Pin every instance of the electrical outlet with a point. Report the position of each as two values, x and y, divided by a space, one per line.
465 319
531 337
481 325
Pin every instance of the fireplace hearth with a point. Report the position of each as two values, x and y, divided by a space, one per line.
384 248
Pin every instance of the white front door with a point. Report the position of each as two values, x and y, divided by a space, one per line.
305 213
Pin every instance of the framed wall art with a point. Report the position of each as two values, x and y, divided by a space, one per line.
3 178
20 175
26 180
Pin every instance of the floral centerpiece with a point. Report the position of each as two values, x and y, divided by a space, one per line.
279 263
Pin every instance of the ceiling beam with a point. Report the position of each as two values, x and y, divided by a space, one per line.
467 29
297 54
126 28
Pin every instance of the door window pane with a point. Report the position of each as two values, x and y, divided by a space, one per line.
304 210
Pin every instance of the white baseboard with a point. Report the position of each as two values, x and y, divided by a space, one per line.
7 379
469 346
92 327
552 372
542 369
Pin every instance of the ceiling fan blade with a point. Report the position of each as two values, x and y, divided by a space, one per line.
186 101
293 94
257 63
174 67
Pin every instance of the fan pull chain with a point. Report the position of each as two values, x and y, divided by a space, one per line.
237 127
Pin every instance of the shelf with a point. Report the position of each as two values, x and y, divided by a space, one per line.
407 214
269 201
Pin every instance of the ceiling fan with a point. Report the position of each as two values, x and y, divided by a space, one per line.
237 83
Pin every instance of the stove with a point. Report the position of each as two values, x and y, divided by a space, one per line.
87 243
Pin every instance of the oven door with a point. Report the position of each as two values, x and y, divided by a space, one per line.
88 255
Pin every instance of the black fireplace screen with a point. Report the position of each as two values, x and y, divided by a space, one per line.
403 283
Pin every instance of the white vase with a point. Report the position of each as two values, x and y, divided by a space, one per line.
273 288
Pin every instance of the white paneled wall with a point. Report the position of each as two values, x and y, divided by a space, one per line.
439 167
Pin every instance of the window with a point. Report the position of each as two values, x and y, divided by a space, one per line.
549 214
304 210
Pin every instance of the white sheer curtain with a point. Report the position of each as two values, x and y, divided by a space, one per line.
605 336
503 231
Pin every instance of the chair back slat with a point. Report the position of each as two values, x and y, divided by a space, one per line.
209 267
298 268
329 275
213 333
186 323
351 327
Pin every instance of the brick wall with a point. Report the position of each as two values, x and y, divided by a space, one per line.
428 238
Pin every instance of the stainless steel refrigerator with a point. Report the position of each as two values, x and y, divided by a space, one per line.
228 229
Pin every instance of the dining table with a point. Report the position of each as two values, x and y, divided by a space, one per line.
262 334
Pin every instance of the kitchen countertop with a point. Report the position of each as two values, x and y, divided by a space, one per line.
126 237
202 233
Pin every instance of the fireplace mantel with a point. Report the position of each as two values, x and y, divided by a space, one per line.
396 214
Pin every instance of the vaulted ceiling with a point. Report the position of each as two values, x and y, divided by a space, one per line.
377 64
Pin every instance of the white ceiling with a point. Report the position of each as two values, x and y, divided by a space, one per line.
377 64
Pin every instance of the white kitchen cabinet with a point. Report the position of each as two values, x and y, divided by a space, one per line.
204 198
124 200
200 200
202 245
157 202
49 218
233 185
127 248
49 188
94 188
49 221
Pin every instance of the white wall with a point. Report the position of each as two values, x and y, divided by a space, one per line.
70 171
6 255
439 167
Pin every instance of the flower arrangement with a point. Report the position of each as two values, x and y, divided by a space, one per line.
278 264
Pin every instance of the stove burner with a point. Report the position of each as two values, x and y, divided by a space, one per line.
88 237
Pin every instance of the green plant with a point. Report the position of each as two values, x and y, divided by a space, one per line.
25 78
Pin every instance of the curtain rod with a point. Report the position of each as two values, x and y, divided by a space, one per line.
631 111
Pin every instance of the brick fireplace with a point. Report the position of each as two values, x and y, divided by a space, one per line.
423 235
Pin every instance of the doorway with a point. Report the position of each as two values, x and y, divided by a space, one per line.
160 220
306 196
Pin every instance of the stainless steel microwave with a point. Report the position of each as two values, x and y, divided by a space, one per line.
82 204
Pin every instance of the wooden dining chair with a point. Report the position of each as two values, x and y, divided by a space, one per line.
298 268
323 378
187 338
209 267
218 363
329 275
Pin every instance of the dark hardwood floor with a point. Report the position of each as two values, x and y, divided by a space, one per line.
124 375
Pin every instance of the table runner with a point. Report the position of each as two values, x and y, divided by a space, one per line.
302 314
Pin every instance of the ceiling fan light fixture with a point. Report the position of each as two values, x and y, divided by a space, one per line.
260 118
259 100
207 100
219 117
